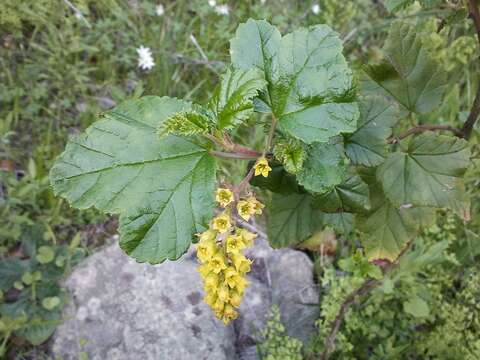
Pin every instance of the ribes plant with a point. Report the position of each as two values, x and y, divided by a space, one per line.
330 156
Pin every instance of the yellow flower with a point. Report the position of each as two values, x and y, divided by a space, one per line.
242 264
210 298
234 244
208 235
211 281
247 237
223 293
204 270
229 314
257 205
262 167
245 209
205 250
221 223
218 305
235 299
218 314
217 263
240 284
224 197
231 276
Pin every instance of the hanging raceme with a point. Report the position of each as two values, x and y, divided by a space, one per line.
220 252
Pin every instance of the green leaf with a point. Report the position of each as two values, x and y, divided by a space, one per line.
426 173
368 144
232 102
409 74
352 195
324 168
416 307
341 222
11 270
290 219
45 254
162 188
184 123
310 87
291 153
395 5
49 303
386 231
39 329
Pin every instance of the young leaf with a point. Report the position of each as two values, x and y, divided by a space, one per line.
426 174
119 165
310 87
352 195
291 153
409 74
368 144
290 219
324 168
184 123
232 102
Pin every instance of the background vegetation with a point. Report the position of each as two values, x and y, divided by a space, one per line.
63 62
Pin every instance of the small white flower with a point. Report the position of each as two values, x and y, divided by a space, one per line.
145 58
212 3
263 1
222 9
159 10
316 9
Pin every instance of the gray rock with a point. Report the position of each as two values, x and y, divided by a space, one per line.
124 310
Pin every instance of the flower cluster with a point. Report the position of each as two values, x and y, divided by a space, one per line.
220 252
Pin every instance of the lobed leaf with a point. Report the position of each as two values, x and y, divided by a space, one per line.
410 75
309 85
324 168
351 196
290 219
368 144
426 173
232 101
162 188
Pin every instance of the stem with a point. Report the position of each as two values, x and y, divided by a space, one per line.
475 110
235 151
422 128
245 181
3 347
230 155
351 299
244 150
271 133
34 291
